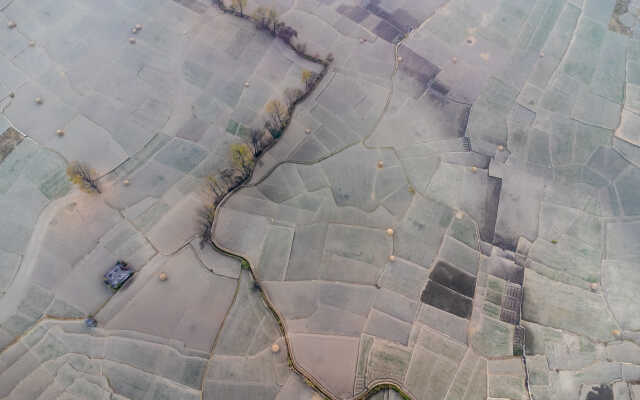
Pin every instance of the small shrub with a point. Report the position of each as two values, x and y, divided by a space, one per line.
82 175
244 264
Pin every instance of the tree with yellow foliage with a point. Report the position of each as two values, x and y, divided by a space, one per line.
259 16
309 79
239 5
82 175
272 18
242 158
265 18
277 112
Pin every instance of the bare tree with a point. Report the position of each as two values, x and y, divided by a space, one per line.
205 219
260 18
272 18
239 5
266 139
260 140
231 177
292 95
256 141
287 33
216 188
278 113
82 175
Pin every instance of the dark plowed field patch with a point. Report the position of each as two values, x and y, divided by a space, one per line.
446 299
454 279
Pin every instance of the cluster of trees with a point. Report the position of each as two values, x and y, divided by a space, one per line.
267 19
242 163
260 139
239 6
264 18
244 155
278 113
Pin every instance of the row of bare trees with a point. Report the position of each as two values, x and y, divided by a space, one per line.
264 18
278 112
244 155
242 164
267 19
